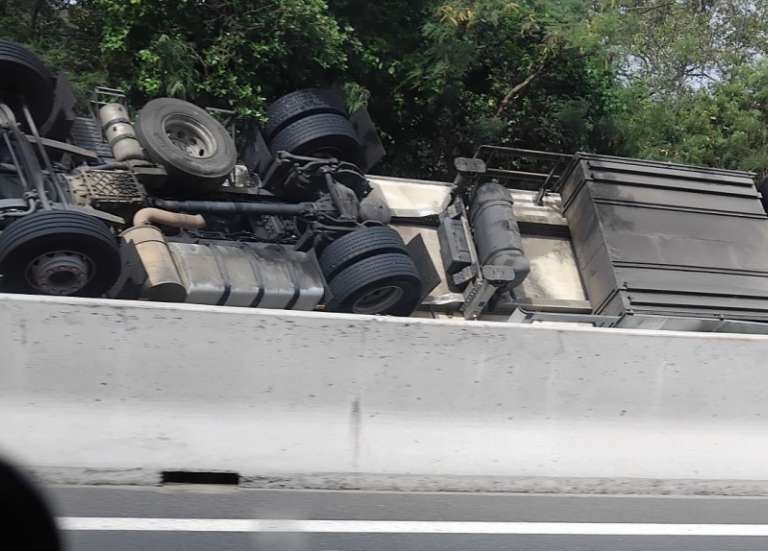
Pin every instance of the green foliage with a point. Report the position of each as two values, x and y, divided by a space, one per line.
678 80
692 77
168 67
230 53
725 126
493 71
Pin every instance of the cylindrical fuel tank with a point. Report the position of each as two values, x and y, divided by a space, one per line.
119 132
495 230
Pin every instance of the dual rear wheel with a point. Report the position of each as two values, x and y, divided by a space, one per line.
313 123
369 271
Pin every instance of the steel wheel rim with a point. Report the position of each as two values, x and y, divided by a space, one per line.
378 300
60 272
191 137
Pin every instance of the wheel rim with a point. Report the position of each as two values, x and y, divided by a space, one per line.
60 272
190 136
378 300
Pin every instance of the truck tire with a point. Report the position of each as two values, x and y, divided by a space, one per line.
62 252
196 150
358 245
62 117
323 135
381 284
23 74
300 104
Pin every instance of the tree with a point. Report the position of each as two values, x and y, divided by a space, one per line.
439 76
724 126
494 71
691 77
228 53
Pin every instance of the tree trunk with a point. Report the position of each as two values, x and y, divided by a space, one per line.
516 89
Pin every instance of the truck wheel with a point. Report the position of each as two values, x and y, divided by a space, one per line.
59 122
323 135
358 245
196 150
381 284
59 253
23 74
299 104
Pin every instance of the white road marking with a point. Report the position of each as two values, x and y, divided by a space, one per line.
407 527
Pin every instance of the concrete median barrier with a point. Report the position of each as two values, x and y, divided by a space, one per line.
115 391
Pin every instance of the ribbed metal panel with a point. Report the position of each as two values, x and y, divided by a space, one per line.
86 133
664 239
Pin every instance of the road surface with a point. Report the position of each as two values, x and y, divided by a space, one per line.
227 518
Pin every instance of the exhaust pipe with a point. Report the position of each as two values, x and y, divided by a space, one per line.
162 281
150 215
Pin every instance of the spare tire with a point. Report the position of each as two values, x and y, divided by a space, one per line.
23 74
324 135
196 150
299 104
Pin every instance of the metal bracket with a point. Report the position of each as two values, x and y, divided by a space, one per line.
499 274
479 292
102 95
111 93
520 315
468 169
64 147
546 185
229 118
476 297
463 276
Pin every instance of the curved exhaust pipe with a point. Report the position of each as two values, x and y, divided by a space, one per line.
161 278
153 216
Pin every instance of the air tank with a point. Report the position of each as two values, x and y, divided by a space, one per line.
495 230
119 132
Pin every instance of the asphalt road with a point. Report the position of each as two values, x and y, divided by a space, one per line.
193 518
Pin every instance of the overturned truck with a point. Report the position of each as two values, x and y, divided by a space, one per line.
161 205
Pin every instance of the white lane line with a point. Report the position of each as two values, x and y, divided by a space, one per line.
407 527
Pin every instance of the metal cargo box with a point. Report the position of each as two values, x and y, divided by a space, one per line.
668 245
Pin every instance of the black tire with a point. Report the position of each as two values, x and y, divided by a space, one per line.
23 74
201 154
358 245
324 135
300 104
62 117
67 234
381 284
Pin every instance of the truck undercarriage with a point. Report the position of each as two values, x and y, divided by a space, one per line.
161 205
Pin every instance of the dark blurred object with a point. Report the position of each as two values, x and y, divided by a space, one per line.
25 513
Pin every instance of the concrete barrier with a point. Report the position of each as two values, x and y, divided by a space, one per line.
113 391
